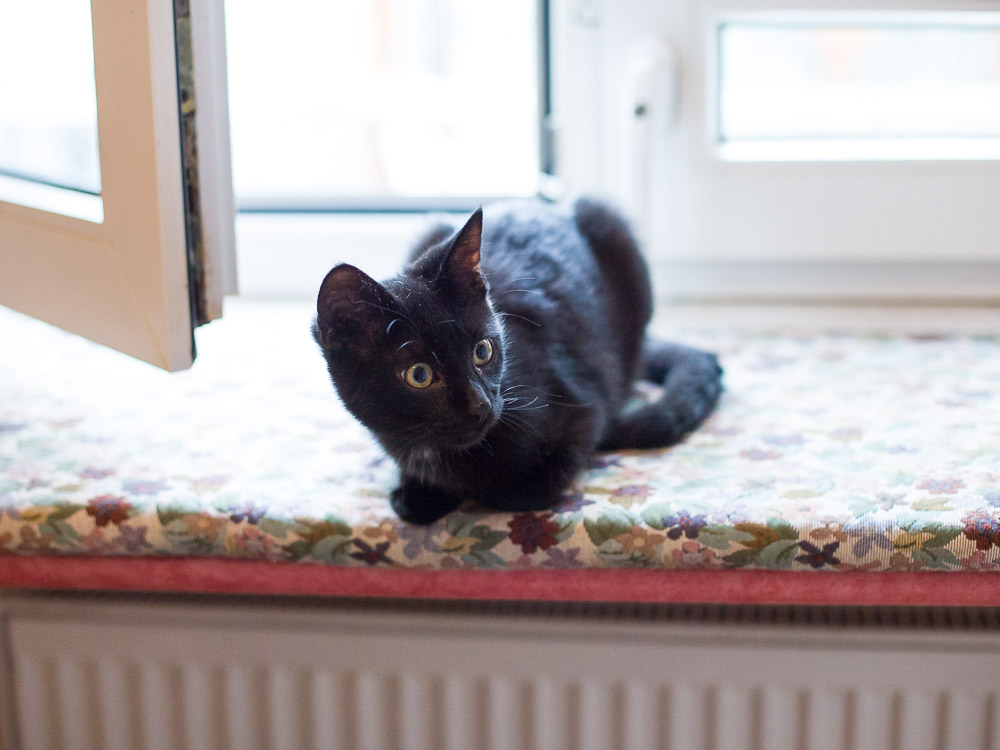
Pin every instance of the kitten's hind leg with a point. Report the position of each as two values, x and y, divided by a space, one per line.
422 504
692 382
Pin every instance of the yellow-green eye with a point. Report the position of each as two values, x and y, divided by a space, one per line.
483 352
418 375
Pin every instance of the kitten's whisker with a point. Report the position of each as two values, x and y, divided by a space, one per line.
407 343
445 321
526 291
527 320
544 393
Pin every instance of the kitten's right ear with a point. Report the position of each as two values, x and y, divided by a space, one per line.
350 309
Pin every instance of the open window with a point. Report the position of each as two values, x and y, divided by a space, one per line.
115 199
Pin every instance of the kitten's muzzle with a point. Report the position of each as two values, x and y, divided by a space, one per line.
480 405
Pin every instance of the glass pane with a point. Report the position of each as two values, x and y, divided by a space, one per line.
859 81
379 99
48 110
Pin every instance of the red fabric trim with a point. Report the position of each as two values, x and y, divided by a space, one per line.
210 575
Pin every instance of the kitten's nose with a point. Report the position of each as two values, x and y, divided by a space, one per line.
479 403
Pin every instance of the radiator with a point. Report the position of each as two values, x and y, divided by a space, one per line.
142 676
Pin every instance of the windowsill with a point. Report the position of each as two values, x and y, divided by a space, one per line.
286 256
828 412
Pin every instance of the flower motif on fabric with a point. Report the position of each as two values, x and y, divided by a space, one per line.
144 486
249 513
91 472
202 526
96 541
533 531
847 434
638 491
251 542
992 497
870 539
941 486
982 528
640 540
784 440
32 540
685 524
371 555
757 454
133 539
562 558
108 509
693 555
816 557
572 502
978 561
419 539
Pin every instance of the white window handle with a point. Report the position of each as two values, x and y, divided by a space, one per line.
650 108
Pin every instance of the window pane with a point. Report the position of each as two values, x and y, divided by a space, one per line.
859 81
48 110
382 99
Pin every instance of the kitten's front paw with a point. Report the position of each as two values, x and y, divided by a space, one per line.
422 505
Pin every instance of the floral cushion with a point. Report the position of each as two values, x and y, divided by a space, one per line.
828 453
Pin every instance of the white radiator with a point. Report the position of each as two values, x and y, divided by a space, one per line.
103 676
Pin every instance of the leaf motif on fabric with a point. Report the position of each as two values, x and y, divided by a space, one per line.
741 558
908 540
607 526
763 535
931 504
778 555
722 537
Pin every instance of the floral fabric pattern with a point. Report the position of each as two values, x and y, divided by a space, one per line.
827 453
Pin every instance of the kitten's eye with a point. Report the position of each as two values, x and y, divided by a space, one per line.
483 352
418 375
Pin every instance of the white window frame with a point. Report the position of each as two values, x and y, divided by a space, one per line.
715 228
123 281
595 44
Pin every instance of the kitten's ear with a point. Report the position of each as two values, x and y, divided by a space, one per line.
351 308
461 264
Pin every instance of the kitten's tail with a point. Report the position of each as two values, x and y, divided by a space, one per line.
692 382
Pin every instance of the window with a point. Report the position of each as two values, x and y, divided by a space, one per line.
816 137
94 232
383 104
373 113
912 86
49 155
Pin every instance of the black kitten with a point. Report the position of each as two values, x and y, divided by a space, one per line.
494 378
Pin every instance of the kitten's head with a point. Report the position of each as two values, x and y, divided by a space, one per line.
418 359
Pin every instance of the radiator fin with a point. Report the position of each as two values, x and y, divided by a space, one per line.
229 700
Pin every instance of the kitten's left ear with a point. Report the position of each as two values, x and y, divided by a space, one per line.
351 309
461 264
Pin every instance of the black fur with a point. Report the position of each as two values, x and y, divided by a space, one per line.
564 297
